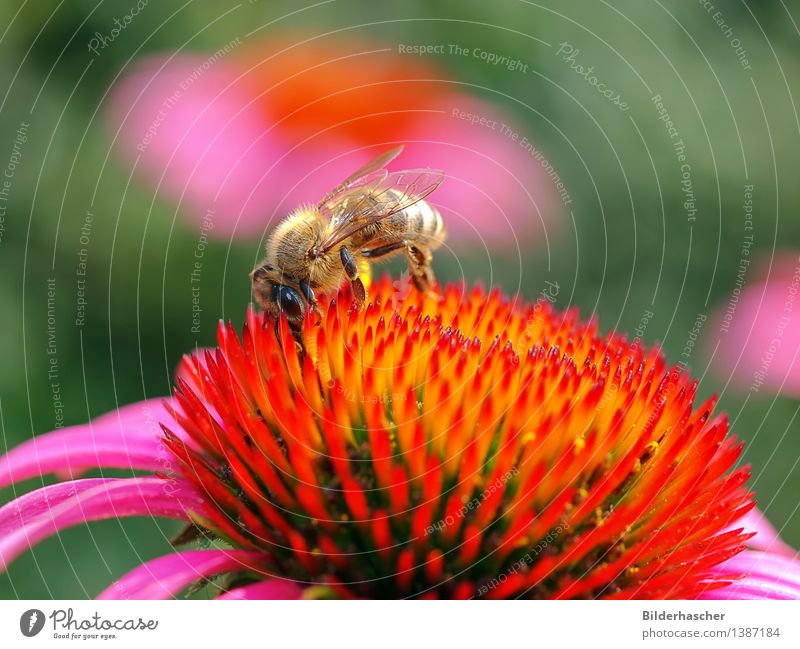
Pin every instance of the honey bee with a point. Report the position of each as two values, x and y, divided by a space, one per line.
372 215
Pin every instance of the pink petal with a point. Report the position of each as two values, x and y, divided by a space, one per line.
267 589
127 438
766 537
766 576
756 334
46 511
167 576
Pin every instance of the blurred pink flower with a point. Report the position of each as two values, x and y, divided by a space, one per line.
242 139
758 329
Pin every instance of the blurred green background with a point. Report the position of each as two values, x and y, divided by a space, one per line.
626 247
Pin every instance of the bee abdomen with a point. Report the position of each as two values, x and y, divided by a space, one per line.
423 220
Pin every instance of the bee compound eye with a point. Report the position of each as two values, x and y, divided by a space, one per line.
288 301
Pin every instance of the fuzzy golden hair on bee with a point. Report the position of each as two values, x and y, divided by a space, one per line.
371 216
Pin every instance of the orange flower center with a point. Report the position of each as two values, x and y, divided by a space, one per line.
472 447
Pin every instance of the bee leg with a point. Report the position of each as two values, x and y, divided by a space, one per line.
297 334
308 294
419 266
375 253
351 268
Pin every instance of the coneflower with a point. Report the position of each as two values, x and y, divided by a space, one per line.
475 446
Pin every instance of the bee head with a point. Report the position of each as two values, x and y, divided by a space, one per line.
263 273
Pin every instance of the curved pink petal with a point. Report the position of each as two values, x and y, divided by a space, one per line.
765 576
167 576
757 330
766 537
46 511
267 589
127 438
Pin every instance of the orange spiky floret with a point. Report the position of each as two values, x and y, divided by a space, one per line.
475 446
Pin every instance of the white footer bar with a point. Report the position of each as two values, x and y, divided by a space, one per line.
407 624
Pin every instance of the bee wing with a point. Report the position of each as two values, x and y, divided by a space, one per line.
375 198
376 164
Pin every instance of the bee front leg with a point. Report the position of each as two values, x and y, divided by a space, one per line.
419 266
351 268
311 298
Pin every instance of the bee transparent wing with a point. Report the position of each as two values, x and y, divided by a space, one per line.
341 205
372 199
376 164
